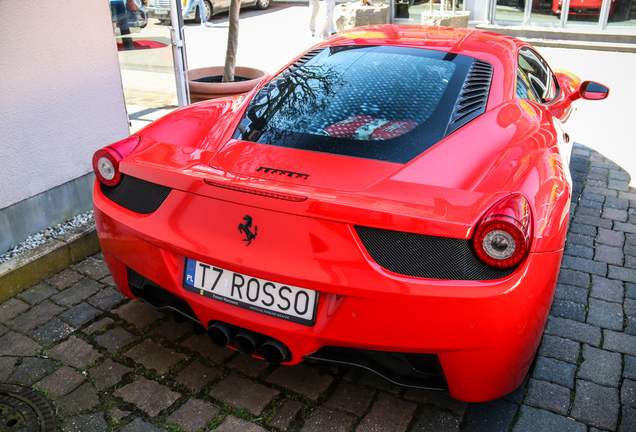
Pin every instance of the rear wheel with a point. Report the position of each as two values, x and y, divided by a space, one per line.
262 4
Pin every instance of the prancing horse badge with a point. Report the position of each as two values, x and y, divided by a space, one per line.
245 228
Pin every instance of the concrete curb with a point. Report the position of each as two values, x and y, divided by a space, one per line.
46 260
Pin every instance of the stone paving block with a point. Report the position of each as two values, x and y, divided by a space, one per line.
138 425
610 237
194 414
74 352
118 414
301 379
149 396
115 339
434 419
580 239
606 315
560 348
549 396
80 314
64 279
88 422
628 393
568 309
600 366
51 332
76 293
98 325
615 214
173 330
534 419
15 344
233 424
579 250
596 405
630 290
107 298
3 330
495 416
439 399
108 280
586 209
622 273
351 398
31 370
594 221
203 345
248 365
607 289
574 278
628 420
6 367
629 367
619 175
138 313
93 268
196 376
154 356
284 416
61 382
328 420
587 230
82 399
571 293
555 371
37 293
626 227
388 413
243 393
574 330
34 317
609 254
619 342
107 374
584 265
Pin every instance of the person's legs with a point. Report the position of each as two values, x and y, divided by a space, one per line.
315 7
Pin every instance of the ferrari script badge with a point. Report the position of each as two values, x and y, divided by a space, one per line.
245 228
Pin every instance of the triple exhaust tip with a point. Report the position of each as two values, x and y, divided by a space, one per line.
248 342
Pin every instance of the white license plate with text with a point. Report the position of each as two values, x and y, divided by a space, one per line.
259 295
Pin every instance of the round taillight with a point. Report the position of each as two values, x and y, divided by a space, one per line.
106 166
502 237
106 160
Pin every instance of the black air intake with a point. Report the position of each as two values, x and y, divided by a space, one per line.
426 256
139 196
473 97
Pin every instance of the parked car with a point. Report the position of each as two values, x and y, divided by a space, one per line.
582 7
160 9
128 16
410 222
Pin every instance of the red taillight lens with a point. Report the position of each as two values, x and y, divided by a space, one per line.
502 238
106 160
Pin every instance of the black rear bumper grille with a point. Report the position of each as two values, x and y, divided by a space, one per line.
139 196
405 369
426 256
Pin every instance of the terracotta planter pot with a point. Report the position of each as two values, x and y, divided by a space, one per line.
200 91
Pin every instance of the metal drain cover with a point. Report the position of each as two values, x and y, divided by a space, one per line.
24 410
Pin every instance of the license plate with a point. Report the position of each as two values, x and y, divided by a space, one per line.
286 302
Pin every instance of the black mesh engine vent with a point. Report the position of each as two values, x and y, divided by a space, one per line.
426 256
298 63
473 97
139 196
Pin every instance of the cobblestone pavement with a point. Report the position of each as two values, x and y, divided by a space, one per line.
111 363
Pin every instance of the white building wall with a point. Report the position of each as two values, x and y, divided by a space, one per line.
60 99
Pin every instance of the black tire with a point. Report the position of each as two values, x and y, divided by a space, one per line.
209 11
262 4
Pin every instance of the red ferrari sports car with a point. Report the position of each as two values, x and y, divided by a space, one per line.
396 198
582 7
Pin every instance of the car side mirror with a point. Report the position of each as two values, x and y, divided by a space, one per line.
591 90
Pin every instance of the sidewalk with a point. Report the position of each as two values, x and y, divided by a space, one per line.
110 363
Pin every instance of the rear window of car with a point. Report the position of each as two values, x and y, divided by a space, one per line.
378 102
